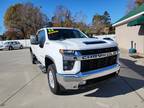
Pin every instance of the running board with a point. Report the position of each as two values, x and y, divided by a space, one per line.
42 68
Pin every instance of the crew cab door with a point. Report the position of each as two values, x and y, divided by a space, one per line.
40 47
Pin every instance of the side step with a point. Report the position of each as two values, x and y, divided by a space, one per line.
42 68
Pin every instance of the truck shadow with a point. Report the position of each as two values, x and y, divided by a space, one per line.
115 86
119 86
111 87
131 64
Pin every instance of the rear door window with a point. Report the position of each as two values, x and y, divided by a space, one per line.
41 38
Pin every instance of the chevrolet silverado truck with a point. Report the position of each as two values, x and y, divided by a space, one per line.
71 58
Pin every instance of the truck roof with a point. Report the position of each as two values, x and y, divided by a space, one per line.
56 28
59 28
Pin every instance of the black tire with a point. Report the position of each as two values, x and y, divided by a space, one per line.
21 47
33 58
10 48
51 70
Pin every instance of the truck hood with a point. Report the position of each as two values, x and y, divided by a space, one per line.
86 43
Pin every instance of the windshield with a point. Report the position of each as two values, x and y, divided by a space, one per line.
60 34
6 43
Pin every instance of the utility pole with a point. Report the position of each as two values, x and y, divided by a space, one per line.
0 29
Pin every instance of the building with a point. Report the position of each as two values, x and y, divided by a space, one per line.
130 30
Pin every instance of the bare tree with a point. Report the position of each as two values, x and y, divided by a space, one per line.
130 5
62 16
101 24
139 2
79 20
80 17
133 4
26 18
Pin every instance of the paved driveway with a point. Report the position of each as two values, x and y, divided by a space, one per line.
23 85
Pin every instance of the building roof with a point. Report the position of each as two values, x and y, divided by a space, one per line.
132 15
138 21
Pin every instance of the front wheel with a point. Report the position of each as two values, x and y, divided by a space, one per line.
52 80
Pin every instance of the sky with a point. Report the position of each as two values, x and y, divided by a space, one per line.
116 8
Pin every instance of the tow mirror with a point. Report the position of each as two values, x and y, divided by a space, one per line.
40 45
33 40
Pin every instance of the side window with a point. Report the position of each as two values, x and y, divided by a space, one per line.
41 38
17 42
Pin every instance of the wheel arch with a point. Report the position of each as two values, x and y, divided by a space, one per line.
48 61
30 49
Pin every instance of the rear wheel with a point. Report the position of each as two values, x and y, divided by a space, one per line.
21 47
52 80
10 48
33 58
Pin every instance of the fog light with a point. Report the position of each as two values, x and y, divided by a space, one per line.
68 64
82 83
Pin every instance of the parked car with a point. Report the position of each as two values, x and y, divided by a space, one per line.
11 45
1 46
72 59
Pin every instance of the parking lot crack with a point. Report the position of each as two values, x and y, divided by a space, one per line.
132 88
17 91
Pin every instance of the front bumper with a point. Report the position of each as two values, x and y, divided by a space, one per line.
73 81
1 48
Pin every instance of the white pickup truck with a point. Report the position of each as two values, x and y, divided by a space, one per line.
71 58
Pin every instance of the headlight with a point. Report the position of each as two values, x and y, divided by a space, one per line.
67 52
68 61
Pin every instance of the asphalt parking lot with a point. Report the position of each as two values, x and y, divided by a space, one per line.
23 85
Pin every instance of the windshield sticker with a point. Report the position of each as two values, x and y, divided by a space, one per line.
51 31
